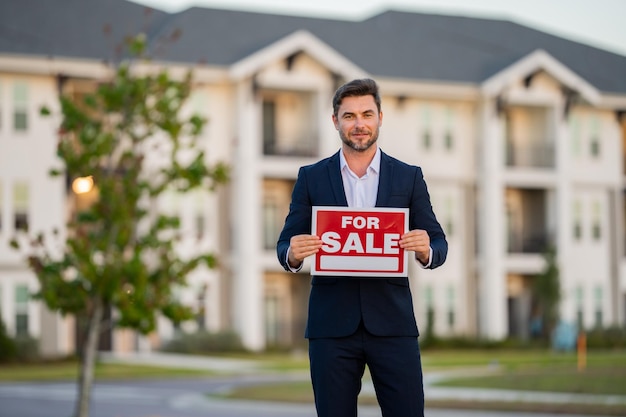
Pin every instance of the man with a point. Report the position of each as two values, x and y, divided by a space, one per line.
354 321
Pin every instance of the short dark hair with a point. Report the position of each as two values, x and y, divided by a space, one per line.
356 88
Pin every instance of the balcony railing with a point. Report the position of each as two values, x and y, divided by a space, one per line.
530 155
521 243
303 148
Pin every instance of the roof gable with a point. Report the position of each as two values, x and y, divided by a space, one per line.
300 41
536 61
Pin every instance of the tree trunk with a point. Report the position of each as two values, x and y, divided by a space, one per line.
88 359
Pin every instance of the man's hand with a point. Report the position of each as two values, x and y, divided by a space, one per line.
417 241
301 246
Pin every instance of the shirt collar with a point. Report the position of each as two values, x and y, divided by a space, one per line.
374 165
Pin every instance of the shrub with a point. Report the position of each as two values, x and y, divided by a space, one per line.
17 349
607 338
204 342
27 348
8 349
468 342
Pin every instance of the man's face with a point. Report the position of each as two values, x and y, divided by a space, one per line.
358 122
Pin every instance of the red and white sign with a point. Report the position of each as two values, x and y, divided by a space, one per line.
360 242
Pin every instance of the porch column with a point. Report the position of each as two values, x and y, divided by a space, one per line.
247 296
492 292
563 223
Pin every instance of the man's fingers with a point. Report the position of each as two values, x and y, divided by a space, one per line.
305 245
415 240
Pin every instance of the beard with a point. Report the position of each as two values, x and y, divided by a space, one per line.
359 146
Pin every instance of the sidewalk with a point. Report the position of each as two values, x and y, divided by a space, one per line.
173 360
243 366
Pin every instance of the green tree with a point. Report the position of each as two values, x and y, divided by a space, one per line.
546 291
131 136
8 350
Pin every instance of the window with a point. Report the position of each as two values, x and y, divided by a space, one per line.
200 221
595 138
199 216
449 136
20 107
271 225
451 316
595 146
598 309
426 129
20 204
269 127
449 140
577 232
574 127
597 228
21 310
579 308
201 296
580 318
426 139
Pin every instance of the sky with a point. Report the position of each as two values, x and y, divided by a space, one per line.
599 23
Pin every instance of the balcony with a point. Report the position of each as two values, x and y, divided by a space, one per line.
529 131
527 221
520 242
302 147
289 124
538 155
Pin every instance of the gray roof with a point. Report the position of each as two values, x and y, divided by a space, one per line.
390 44
91 29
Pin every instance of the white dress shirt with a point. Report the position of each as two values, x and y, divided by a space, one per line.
361 192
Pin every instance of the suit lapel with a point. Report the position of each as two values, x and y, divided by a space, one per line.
384 181
336 182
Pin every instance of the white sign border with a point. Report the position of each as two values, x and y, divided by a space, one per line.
380 274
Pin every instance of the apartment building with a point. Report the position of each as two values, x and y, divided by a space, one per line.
520 135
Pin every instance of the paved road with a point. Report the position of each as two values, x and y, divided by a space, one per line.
173 398
187 397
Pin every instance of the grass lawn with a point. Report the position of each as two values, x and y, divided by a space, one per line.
532 370
599 380
68 370
604 373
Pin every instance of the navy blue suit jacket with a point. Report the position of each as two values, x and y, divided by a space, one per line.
338 304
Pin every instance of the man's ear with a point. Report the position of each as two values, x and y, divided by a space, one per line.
335 122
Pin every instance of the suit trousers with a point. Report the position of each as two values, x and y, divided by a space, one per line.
338 364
